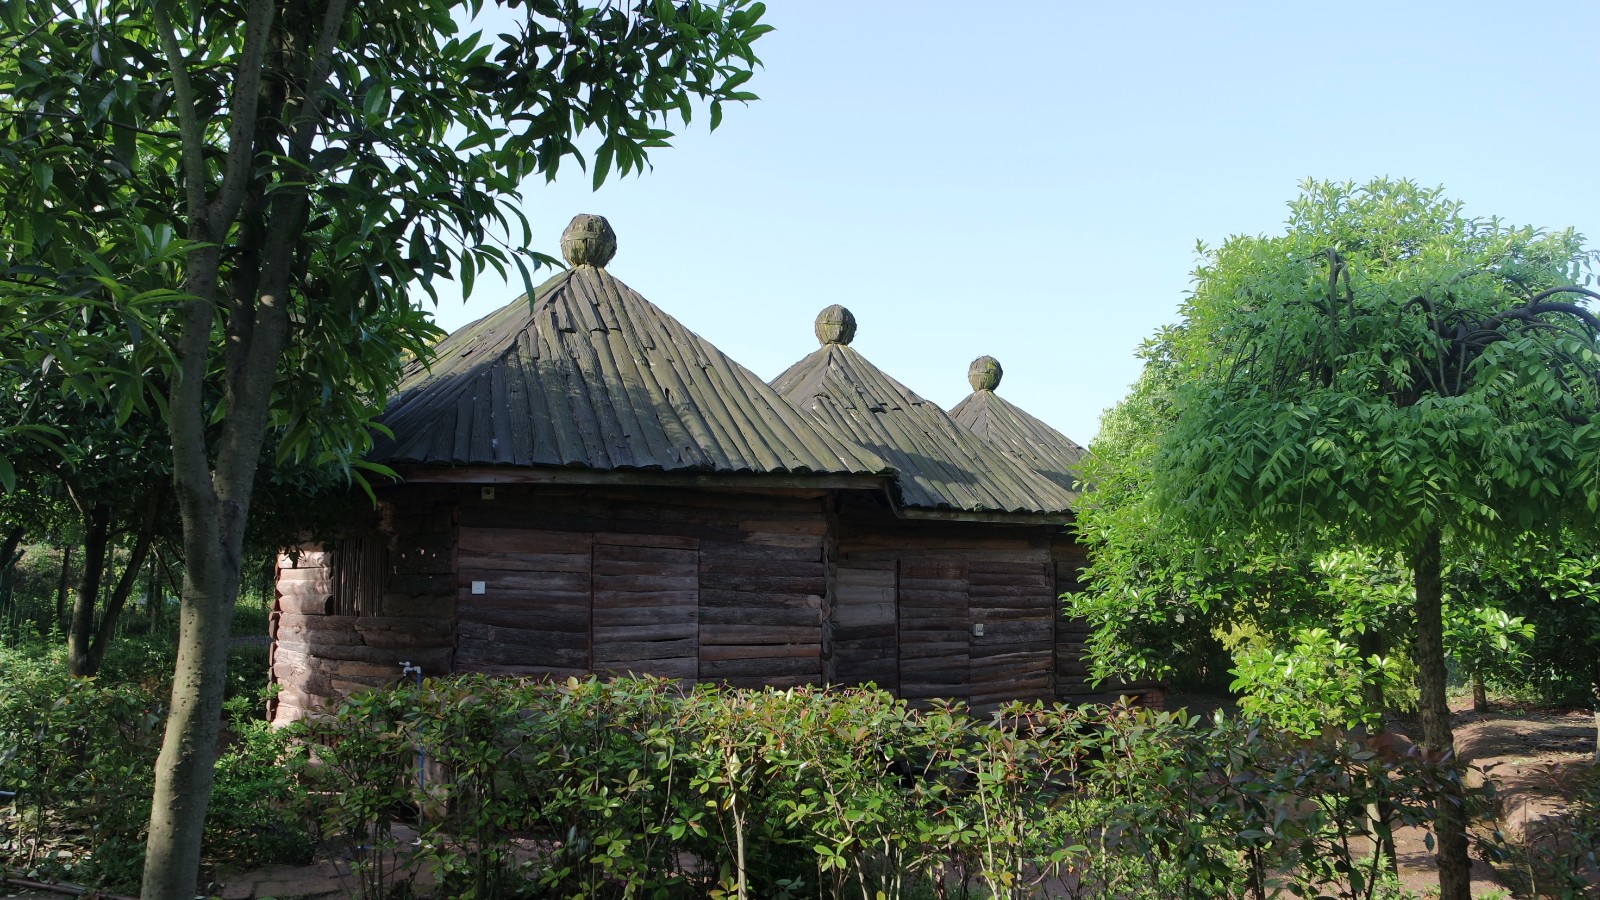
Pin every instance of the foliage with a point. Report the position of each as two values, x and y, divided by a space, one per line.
78 753
1385 367
274 179
641 788
1389 375
1555 587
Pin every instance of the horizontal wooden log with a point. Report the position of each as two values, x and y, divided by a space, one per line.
675 614
306 605
334 629
523 540
428 657
762 668
689 582
879 672
758 651
420 606
646 632
659 541
686 669
872 619
811 524
733 551
608 599
525 581
612 554
806 543
778 682
524 562
740 599
759 634
478 656
783 568
658 570
552 673
886 631
809 615
406 633
766 584
611 652
305 576
524 620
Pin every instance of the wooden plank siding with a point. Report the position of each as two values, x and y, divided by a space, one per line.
741 588
934 629
691 584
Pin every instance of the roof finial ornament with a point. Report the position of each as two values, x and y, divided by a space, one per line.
835 325
588 241
984 373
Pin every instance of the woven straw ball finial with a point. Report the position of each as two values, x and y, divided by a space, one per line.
835 325
984 373
588 241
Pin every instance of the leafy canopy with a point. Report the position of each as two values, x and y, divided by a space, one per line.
1386 367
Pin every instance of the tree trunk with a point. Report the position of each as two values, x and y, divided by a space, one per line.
1596 686
10 552
61 588
1449 825
130 575
96 536
1480 697
1380 815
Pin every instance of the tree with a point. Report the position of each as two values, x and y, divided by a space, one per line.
295 169
1393 375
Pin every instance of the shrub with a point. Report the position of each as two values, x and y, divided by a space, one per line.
638 788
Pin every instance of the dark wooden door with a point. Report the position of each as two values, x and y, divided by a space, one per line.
934 629
522 601
646 605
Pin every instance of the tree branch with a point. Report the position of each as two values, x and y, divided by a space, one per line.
194 159
246 96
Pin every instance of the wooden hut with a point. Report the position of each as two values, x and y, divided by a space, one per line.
947 589
588 486
1033 443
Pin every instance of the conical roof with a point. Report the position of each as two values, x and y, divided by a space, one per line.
588 374
1014 431
940 464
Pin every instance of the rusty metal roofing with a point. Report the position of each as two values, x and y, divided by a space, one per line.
590 375
940 464
1021 436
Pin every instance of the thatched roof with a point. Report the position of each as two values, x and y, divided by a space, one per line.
940 464
1010 428
590 375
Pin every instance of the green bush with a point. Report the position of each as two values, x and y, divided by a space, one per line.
80 753
638 788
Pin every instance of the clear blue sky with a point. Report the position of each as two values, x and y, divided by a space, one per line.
1028 179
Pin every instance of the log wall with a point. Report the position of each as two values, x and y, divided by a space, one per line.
779 588
347 617
909 600
700 585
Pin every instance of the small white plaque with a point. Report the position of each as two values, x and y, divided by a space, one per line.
480 587
977 629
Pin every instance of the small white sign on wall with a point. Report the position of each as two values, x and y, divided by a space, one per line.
479 587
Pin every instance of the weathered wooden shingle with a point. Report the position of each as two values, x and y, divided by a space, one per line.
590 375
939 463
1014 431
